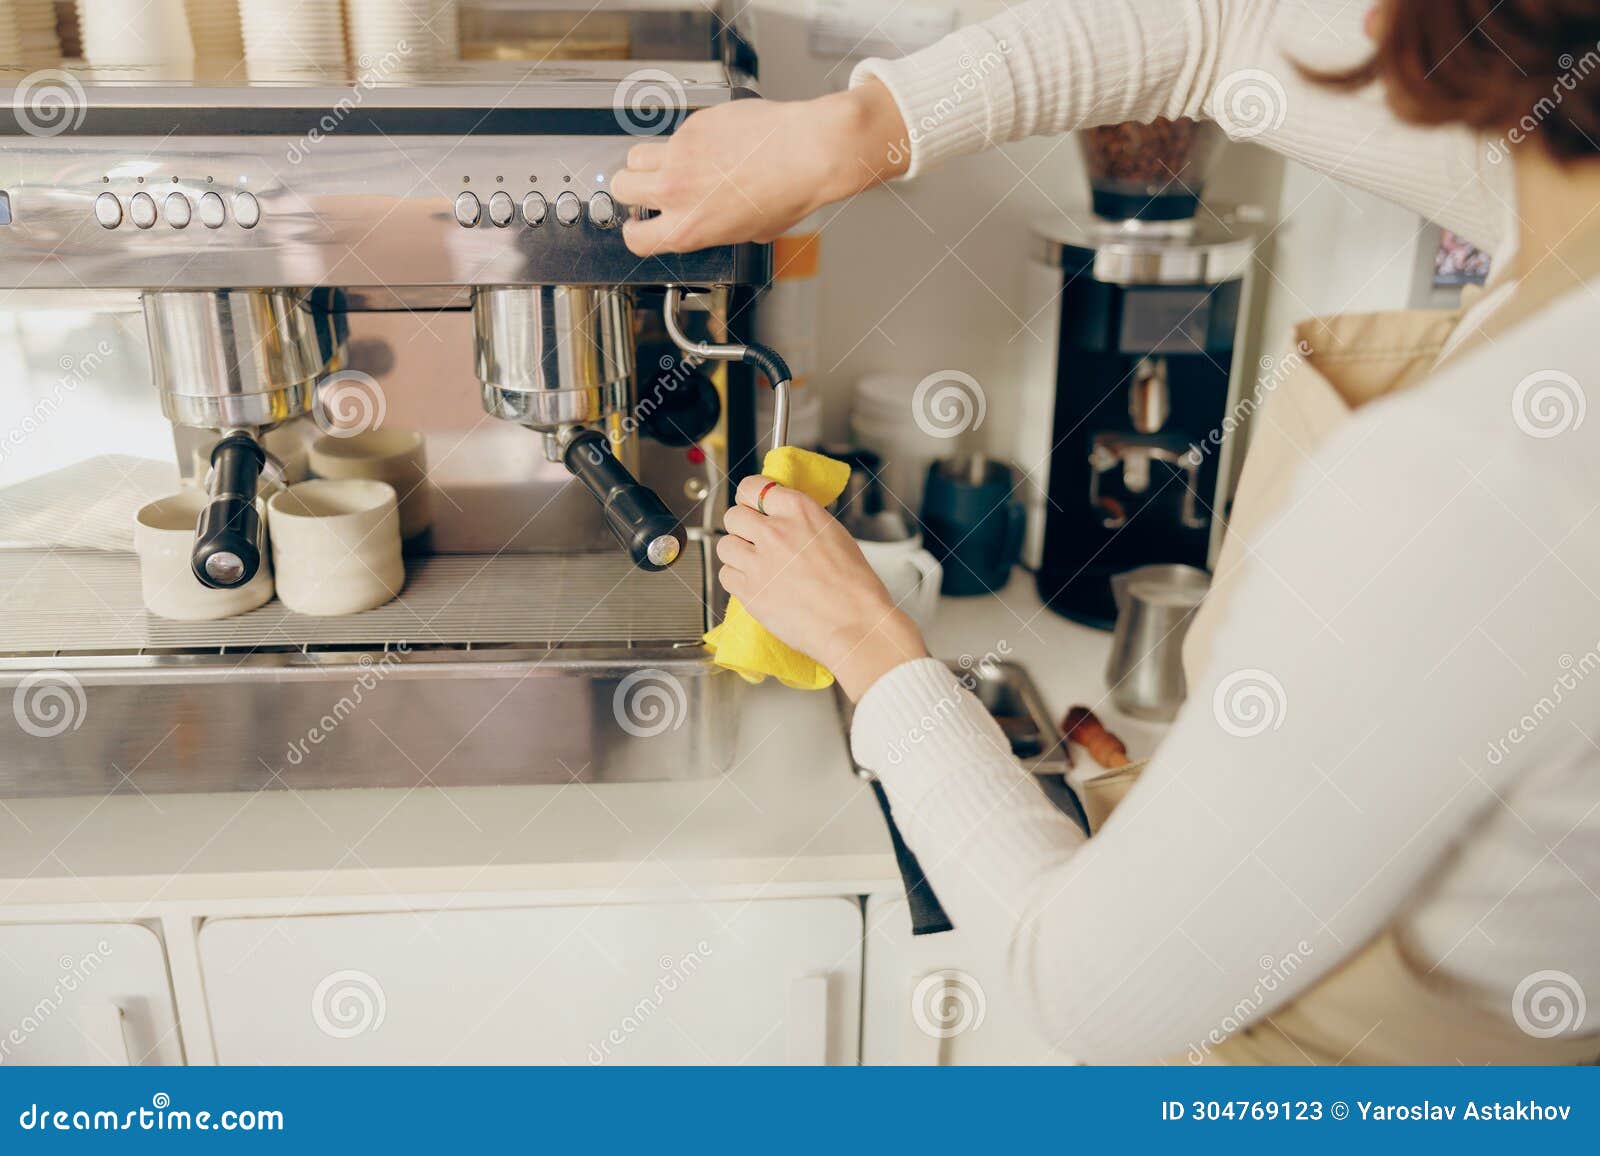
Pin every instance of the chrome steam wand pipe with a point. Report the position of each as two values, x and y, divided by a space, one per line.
764 359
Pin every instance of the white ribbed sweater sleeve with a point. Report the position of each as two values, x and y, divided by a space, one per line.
1328 761
1052 66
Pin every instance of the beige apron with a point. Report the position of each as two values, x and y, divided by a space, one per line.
1379 1006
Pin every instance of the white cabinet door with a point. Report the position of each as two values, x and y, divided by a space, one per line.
767 982
940 999
85 993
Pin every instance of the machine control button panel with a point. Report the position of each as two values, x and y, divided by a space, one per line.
246 210
603 210
501 209
179 212
142 208
213 213
108 210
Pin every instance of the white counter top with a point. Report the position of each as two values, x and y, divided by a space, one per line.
789 818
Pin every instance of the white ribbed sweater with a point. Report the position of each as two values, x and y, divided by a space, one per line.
1424 628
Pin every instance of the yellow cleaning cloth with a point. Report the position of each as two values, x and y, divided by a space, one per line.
739 642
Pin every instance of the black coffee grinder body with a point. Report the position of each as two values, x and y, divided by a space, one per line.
1141 444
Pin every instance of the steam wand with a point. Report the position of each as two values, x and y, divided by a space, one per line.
764 359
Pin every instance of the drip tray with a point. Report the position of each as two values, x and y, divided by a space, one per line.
512 669
56 602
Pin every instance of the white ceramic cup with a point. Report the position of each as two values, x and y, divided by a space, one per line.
910 572
335 546
383 455
163 536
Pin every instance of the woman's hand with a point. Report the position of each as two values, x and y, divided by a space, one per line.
804 578
750 170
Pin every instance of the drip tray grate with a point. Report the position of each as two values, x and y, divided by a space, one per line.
62 602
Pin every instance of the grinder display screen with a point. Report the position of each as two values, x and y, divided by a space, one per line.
1165 320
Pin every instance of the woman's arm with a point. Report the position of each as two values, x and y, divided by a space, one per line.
1414 606
1409 612
751 170
1053 66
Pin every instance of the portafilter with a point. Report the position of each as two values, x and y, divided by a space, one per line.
558 359
239 362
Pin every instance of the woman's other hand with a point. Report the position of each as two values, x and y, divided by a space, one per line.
750 170
804 578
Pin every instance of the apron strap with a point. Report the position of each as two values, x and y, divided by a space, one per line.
1565 269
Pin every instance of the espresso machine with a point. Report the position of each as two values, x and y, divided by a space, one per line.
453 239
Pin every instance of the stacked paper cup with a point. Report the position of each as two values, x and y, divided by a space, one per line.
214 27
37 45
10 37
409 36
151 32
293 33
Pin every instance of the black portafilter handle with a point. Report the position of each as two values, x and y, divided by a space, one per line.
226 544
636 515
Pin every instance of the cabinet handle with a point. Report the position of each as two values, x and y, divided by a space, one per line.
102 1027
808 1020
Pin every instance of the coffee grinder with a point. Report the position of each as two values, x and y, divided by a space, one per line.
1152 289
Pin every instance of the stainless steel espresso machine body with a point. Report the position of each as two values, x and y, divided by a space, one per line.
453 242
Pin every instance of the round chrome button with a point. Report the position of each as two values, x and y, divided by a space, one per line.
246 210
501 209
212 211
603 210
108 210
468 211
143 210
533 208
179 211
568 208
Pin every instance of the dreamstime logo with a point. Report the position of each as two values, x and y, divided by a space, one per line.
75 371
948 403
1573 672
972 72
1274 372
674 371
976 670
1573 71
973 671
1249 702
1548 403
650 702
647 100
947 1003
674 974
75 975
48 703
372 673
349 403
374 70
1248 103
1275 974
1548 1004
49 103
348 1004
